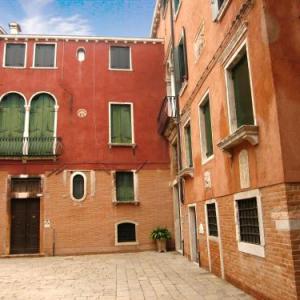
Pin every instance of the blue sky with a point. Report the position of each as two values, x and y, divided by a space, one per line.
80 17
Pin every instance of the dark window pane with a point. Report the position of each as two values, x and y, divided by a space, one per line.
15 55
212 219
120 57
242 93
126 233
78 187
44 55
121 124
176 5
208 131
220 3
248 221
124 186
188 145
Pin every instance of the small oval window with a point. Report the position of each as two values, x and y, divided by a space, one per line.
78 187
80 54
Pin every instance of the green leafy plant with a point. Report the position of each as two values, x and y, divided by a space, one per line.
160 233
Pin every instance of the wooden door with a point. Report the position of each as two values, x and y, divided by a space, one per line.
25 226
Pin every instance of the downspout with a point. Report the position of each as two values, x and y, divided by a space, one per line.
175 95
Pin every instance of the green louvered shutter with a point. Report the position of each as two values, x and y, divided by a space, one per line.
188 145
12 118
177 70
185 73
208 130
44 55
242 93
15 55
41 125
121 124
125 186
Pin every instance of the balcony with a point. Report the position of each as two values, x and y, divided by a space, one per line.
30 147
167 113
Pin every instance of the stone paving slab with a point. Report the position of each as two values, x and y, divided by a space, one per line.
134 276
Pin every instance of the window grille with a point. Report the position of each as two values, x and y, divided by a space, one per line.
212 219
126 233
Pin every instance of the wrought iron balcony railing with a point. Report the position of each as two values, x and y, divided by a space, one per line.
167 113
30 146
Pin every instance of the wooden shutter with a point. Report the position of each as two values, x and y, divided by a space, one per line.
120 57
126 135
125 186
44 55
177 70
208 130
242 93
185 59
15 55
188 146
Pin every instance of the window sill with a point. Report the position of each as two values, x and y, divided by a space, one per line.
222 10
245 132
257 250
183 88
187 172
133 146
206 160
127 244
135 203
12 67
122 70
44 68
213 238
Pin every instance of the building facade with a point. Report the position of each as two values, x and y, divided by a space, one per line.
82 166
231 119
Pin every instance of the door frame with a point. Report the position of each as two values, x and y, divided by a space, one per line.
178 233
197 255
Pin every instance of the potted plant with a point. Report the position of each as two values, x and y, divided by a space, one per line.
161 235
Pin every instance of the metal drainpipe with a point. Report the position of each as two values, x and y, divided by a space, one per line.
174 93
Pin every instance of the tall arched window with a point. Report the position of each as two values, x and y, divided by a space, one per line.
12 119
42 125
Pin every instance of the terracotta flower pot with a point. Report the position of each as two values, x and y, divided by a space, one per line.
161 245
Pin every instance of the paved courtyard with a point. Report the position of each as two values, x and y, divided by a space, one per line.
146 275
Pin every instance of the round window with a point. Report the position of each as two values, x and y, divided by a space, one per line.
78 187
80 54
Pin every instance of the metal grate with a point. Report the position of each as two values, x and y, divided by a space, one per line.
126 233
212 219
23 185
248 221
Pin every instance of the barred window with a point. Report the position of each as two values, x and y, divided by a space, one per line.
212 219
248 220
126 233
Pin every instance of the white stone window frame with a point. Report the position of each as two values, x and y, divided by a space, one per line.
77 54
135 186
55 55
253 249
126 243
132 144
186 123
219 12
84 184
130 69
25 55
202 126
232 62
176 12
217 239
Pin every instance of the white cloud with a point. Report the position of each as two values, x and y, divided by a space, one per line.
38 20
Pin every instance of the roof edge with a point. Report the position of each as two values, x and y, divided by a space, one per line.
153 18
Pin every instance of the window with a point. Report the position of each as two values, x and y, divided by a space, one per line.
218 7
15 55
81 54
176 5
239 91
212 219
188 146
120 58
249 223
125 186
181 64
126 233
206 129
78 186
44 56
121 131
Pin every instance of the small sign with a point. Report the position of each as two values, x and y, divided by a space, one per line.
81 113
47 224
201 229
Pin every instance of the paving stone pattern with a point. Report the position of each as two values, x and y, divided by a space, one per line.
144 275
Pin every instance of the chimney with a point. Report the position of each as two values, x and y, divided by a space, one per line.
14 28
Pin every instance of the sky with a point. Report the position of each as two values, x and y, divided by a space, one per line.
120 18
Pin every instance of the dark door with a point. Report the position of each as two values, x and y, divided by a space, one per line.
25 226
